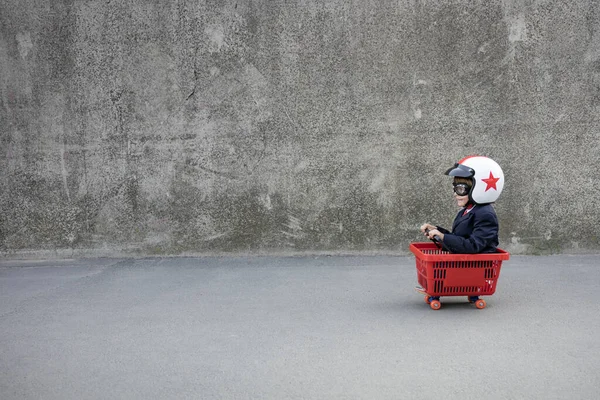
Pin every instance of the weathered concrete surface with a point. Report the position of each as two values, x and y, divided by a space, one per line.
293 328
176 126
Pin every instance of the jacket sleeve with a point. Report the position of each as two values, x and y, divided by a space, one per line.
485 230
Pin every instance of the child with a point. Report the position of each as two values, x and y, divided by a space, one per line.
478 182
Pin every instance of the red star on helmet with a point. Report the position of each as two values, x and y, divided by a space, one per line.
491 182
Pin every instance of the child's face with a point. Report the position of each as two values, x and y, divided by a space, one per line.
461 201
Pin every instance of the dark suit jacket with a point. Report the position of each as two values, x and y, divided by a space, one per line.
474 232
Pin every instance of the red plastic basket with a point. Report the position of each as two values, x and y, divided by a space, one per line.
441 273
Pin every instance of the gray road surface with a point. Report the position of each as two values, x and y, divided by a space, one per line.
293 328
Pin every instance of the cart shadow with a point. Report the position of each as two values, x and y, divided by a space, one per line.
406 304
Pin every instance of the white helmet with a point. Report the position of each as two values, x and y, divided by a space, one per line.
486 174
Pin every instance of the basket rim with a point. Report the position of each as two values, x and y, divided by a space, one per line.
417 249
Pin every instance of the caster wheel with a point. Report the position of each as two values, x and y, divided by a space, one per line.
427 300
473 299
480 304
435 304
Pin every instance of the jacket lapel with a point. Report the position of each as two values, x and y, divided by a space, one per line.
460 219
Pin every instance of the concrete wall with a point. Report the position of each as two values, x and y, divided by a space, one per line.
171 126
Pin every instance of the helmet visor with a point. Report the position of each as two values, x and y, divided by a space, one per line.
461 171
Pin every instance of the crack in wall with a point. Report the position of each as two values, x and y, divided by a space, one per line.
193 92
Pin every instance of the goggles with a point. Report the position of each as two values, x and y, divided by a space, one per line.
461 189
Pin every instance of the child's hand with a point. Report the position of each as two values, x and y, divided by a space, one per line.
427 227
434 233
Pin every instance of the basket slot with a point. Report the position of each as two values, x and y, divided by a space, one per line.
434 251
490 273
439 274
461 289
465 264
487 287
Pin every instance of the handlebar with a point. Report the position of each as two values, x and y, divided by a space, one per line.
436 239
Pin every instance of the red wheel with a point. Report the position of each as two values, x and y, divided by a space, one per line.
427 299
435 304
480 304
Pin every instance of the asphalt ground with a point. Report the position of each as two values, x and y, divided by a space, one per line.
293 328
